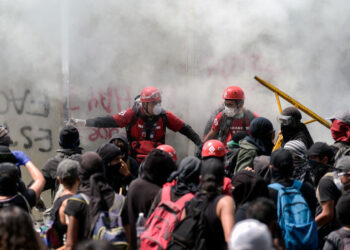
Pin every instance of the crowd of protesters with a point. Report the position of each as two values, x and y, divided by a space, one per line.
238 192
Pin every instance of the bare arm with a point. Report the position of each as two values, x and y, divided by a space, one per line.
225 211
212 133
327 213
72 233
39 180
61 213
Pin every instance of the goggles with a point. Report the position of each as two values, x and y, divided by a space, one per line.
285 120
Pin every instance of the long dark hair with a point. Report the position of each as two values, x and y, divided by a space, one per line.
16 230
212 174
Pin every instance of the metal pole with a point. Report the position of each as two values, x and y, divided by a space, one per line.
293 102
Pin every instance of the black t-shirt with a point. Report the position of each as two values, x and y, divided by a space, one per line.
79 210
22 200
328 191
306 190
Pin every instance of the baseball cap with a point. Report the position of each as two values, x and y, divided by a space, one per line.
343 164
281 159
343 116
67 169
321 149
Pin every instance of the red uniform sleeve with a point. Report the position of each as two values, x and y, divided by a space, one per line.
124 118
173 122
216 122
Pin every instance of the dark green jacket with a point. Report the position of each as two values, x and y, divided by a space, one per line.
246 155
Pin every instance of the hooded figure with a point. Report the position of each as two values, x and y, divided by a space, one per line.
112 160
69 142
187 181
158 166
94 185
292 128
122 142
187 177
302 169
259 143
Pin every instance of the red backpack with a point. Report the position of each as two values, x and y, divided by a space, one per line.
163 220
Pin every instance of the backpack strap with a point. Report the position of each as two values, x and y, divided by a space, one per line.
276 186
81 198
166 193
118 204
297 185
181 202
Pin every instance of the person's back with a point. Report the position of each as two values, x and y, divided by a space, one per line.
157 167
67 175
219 212
94 195
69 142
296 203
340 239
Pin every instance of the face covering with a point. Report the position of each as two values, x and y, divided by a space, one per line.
157 109
337 181
230 112
318 169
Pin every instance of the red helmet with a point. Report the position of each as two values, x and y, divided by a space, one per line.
213 148
169 149
150 94
233 93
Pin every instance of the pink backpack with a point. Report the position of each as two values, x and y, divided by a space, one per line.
163 220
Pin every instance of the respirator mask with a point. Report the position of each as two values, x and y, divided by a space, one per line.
230 112
157 109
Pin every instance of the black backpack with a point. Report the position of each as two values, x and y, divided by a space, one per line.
230 161
190 233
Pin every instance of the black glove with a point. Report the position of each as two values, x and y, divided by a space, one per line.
199 151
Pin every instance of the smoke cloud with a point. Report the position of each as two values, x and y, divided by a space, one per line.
192 50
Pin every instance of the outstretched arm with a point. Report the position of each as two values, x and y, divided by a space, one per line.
191 134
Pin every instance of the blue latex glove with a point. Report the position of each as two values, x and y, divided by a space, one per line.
21 157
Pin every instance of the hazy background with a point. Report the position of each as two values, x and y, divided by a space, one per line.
96 56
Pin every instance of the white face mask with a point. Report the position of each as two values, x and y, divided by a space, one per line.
230 112
337 181
157 109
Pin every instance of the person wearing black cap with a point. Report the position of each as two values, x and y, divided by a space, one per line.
259 143
69 142
116 170
292 128
340 239
321 161
122 142
281 164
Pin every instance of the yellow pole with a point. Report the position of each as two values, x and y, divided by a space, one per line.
293 102
278 102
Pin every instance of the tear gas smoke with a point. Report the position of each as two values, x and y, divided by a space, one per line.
191 50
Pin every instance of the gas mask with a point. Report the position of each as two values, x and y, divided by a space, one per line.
230 112
157 109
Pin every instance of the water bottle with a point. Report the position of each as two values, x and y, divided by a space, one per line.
140 227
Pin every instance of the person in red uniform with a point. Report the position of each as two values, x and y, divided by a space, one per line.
145 124
232 117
